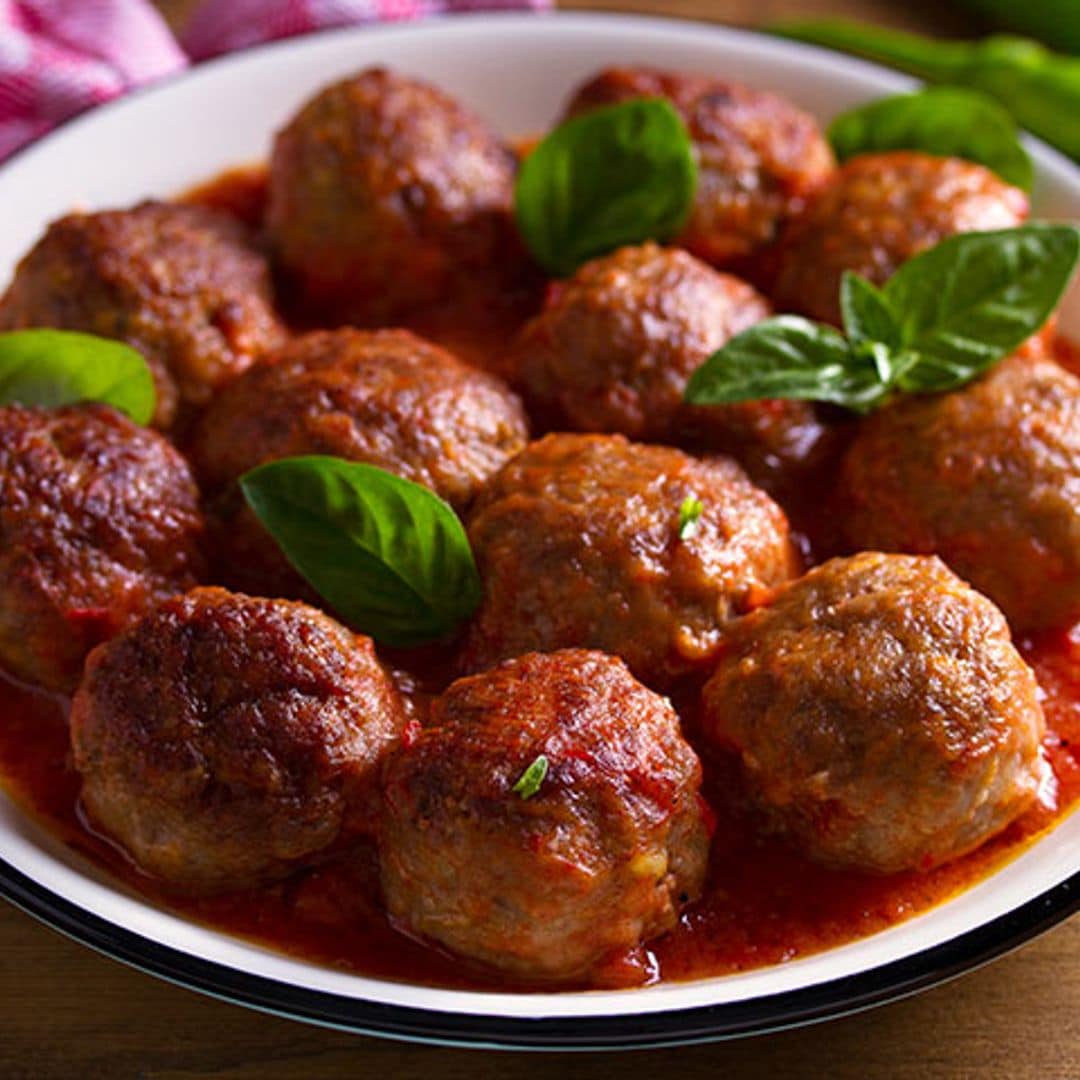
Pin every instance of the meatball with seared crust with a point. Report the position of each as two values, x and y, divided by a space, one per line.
178 283
616 344
387 398
758 156
878 212
384 195
99 520
225 740
582 540
546 872
883 719
987 477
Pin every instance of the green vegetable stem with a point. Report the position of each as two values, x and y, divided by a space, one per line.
1057 22
941 320
1039 87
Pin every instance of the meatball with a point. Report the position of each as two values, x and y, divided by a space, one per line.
881 715
178 283
99 520
987 477
224 740
550 885
386 397
578 544
615 346
384 193
758 156
879 211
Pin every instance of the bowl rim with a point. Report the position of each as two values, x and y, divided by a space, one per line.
677 1026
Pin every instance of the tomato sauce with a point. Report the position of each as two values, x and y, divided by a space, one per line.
763 904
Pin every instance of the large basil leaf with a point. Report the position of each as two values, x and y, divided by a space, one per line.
975 297
50 368
947 121
787 357
388 555
617 175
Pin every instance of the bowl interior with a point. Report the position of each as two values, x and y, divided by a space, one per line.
517 70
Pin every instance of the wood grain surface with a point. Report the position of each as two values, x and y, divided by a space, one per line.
68 1014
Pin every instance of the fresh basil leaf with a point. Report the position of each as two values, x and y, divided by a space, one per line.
617 175
947 121
50 368
689 514
975 297
867 314
787 357
388 555
529 782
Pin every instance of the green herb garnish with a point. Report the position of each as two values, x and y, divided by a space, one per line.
388 555
689 513
942 319
50 368
947 121
617 175
530 780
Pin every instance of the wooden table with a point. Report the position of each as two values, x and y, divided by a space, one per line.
68 1014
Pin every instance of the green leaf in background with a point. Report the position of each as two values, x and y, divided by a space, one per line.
617 175
786 357
50 368
1057 22
940 321
947 121
387 554
1039 87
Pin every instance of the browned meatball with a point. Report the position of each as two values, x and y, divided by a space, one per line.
597 860
178 283
226 740
384 192
578 544
879 211
987 477
99 520
758 156
882 717
386 397
616 344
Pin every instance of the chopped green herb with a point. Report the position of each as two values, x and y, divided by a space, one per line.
691 509
530 780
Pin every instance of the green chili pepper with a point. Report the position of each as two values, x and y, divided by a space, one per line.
1056 22
1039 87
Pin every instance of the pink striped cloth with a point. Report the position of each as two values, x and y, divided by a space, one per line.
59 57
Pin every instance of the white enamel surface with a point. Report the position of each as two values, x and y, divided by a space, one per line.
517 70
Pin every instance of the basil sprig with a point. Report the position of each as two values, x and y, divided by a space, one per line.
945 120
620 174
388 555
50 368
942 319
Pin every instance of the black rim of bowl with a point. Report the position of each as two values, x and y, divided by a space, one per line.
792 1008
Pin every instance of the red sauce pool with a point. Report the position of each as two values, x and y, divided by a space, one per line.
763 904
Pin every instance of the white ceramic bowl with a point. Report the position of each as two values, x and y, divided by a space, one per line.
517 70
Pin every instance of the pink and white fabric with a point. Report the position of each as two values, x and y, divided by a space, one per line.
59 57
